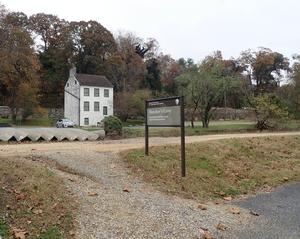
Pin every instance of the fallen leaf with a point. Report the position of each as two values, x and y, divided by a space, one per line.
19 234
37 211
202 206
112 166
254 213
221 227
235 210
126 190
21 196
227 198
206 235
222 193
204 229
285 179
93 194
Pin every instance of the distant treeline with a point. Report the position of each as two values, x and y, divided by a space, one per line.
36 53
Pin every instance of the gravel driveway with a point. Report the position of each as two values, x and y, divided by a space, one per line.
115 204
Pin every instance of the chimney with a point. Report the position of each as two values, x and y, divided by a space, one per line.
73 71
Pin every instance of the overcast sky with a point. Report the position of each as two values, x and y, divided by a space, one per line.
187 28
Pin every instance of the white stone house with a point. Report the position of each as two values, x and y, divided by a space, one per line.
87 99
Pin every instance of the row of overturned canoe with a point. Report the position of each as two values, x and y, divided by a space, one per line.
45 134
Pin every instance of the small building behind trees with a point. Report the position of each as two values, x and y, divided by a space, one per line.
87 98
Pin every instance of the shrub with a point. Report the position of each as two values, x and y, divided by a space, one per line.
269 112
131 104
112 126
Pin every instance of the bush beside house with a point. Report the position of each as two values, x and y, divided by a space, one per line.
112 126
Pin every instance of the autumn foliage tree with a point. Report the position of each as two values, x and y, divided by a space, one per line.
265 68
54 50
92 45
170 69
19 68
131 104
36 53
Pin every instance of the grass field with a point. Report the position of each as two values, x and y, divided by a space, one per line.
34 201
216 127
43 122
220 168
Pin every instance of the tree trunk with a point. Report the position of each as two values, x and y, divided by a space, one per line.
205 117
193 117
192 123
14 113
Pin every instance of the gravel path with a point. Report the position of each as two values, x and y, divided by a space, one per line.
141 212
115 204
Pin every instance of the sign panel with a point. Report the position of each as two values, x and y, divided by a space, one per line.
164 112
168 112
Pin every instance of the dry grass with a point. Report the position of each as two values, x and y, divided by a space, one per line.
34 200
220 168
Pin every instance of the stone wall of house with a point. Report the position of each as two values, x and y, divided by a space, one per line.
5 112
227 114
233 114
55 113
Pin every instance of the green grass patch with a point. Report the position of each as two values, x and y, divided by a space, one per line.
5 120
132 122
4 229
43 122
220 168
52 233
216 127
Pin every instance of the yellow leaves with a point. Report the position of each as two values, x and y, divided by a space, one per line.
37 211
229 198
19 233
234 210
221 227
202 206
92 194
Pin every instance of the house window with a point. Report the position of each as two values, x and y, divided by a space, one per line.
86 106
96 92
67 84
106 92
96 106
86 92
86 121
104 110
75 82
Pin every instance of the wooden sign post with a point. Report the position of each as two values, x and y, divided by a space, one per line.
166 112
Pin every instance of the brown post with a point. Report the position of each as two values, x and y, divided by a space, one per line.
146 131
182 121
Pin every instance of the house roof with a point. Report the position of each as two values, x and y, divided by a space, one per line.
93 80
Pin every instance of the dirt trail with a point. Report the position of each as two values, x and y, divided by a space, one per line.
119 145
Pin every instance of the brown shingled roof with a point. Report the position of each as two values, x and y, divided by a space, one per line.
93 80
